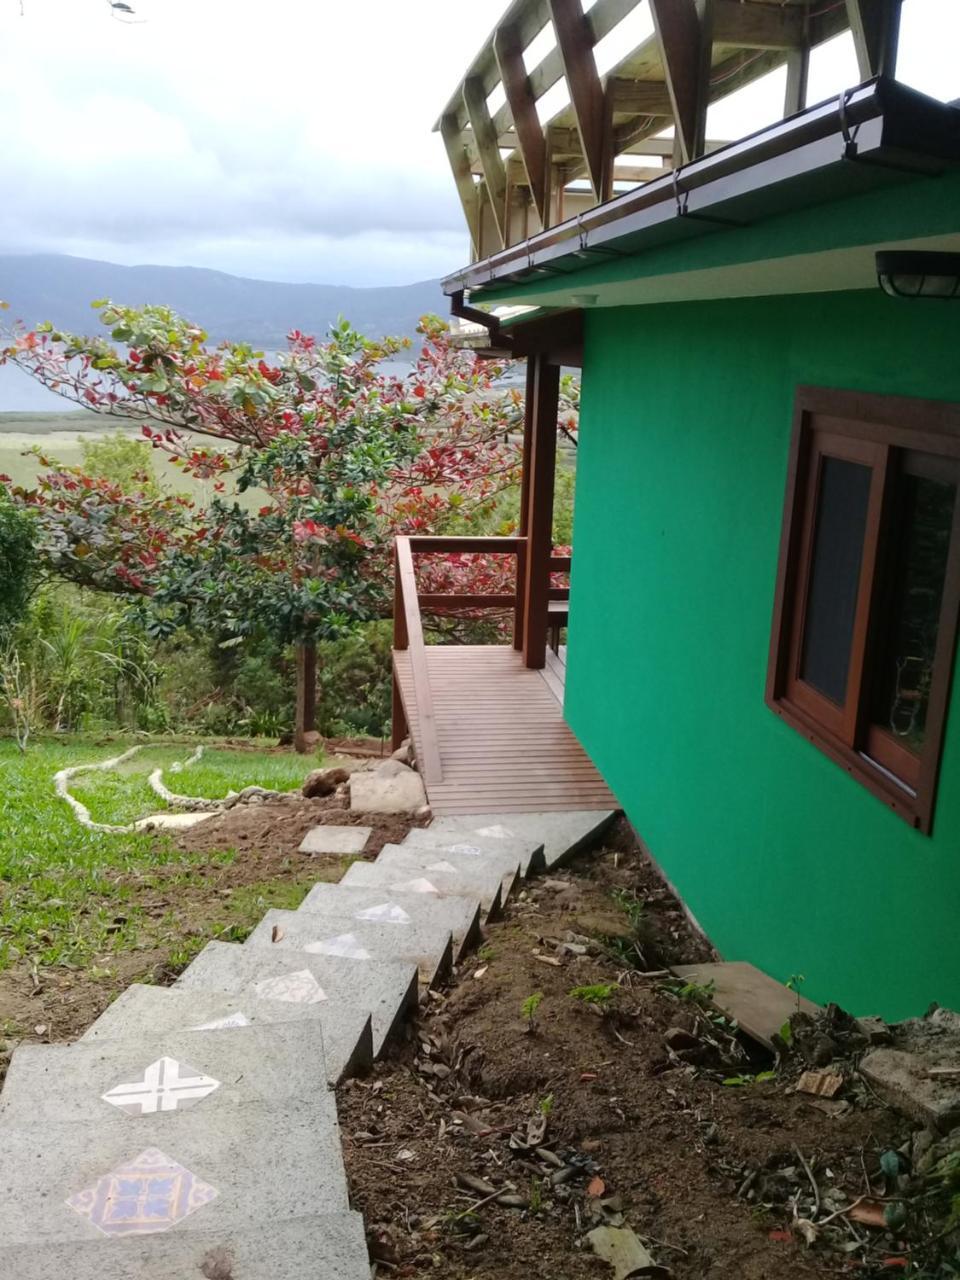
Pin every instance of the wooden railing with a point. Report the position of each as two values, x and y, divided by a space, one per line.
409 605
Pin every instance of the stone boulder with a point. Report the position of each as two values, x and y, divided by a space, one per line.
392 787
323 782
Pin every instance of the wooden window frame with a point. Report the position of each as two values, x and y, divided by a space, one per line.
864 428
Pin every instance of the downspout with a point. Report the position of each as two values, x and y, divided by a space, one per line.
499 341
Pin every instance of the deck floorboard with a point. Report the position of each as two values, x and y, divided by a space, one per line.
504 744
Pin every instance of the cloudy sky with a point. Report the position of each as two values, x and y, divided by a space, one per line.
287 140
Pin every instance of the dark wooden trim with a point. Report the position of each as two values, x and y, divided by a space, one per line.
450 600
540 511
873 426
583 84
532 142
684 34
558 336
427 544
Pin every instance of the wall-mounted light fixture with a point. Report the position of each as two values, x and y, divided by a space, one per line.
908 273
583 299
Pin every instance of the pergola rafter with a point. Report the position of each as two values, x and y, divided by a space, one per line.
514 166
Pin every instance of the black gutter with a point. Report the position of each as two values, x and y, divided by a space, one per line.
878 133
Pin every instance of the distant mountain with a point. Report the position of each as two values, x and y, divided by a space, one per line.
60 289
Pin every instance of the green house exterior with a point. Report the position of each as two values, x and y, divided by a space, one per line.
781 856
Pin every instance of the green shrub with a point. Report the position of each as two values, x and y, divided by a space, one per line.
18 564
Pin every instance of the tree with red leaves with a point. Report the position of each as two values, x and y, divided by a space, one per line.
339 454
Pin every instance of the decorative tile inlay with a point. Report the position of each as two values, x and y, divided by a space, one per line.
166 1085
224 1024
471 850
386 913
150 1193
296 988
442 866
497 832
415 886
345 944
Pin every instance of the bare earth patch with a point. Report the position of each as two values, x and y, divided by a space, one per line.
632 1135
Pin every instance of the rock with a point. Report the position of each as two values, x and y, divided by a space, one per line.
820 1051
901 1079
875 1030
323 782
390 788
306 743
621 1248
171 821
598 924
403 753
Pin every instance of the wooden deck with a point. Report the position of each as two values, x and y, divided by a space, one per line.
504 745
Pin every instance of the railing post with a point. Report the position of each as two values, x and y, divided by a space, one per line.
399 729
546 402
521 597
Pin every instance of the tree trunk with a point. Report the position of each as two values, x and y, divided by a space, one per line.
305 736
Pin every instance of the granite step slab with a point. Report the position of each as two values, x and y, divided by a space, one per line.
387 990
331 1246
99 1082
326 933
335 841
563 834
478 868
460 915
528 852
199 1169
144 1014
411 878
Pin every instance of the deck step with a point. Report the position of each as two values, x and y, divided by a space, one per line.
329 1245
385 990
410 876
195 1169
94 1081
469 864
529 853
562 834
146 1013
319 932
460 915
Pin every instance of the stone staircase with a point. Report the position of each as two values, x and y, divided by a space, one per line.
192 1134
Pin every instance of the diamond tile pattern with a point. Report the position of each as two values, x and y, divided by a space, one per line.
166 1085
151 1193
295 988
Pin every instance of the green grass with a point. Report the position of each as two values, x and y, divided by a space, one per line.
72 897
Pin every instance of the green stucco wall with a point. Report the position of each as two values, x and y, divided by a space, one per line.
781 856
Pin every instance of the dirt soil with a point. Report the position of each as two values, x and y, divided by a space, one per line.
57 1003
632 1134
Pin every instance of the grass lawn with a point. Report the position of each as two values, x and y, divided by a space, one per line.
113 909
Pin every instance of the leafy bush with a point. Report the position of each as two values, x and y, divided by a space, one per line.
18 563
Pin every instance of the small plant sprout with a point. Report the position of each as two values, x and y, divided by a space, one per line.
794 983
529 1009
545 1105
600 995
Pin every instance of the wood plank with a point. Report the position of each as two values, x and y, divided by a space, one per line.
488 147
683 34
583 83
428 752
531 140
759 1003
459 158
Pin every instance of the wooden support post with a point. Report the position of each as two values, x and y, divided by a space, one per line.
399 730
305 723
798 70
528 406
684 34
531 142
546 401
875 26
488 148
583 84
459 159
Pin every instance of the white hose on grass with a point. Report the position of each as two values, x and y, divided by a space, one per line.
189 804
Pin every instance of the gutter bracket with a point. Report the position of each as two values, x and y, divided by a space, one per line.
682 200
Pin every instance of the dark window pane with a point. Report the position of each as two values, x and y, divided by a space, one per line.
921 543
835 576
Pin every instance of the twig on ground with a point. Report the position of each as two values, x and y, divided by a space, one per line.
813 1183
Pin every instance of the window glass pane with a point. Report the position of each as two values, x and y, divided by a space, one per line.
835 576
921 543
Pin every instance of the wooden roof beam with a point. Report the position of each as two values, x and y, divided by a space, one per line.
758 26
583 84
875 25
459 158
684 34
531 142
488 149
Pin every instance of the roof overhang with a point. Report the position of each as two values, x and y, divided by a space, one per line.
875 135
